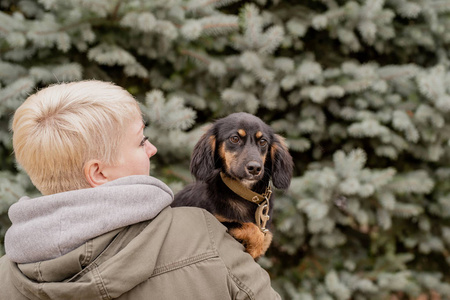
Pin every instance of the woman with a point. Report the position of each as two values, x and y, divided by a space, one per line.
104 228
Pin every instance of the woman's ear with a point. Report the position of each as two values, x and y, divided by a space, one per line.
93 172
203 156
282 163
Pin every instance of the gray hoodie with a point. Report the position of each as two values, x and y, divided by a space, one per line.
50 226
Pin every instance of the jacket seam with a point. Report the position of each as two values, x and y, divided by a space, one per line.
91 265
191 260
184 263
241 285
41 292
235 279
100 283
208 225
37 270
88 250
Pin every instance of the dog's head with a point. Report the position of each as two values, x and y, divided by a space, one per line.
245 148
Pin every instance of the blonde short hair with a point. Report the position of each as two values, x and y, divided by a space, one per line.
59 128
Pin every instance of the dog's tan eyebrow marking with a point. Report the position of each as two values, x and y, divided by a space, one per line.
242 132
259 134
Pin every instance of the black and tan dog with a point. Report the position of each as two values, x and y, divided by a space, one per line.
233 163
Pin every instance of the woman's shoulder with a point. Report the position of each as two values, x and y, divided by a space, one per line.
194 225
198 231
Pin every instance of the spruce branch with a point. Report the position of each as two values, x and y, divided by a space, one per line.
318 265
441 6
197 4
114 14
20 87
92 20
219 28
195 55
252 24
17 196
271 40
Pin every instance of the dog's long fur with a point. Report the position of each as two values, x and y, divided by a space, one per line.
246 149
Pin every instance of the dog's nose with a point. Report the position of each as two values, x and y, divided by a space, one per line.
254 168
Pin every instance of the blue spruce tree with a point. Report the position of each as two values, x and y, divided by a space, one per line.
359 88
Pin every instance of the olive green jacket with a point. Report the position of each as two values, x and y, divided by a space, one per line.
184 253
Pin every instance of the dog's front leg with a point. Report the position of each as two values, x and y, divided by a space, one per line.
255 242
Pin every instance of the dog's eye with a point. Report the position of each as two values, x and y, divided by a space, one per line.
234 139
262 142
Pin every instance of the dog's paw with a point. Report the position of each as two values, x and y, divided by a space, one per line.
255 242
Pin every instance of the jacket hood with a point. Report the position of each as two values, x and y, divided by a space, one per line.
51 226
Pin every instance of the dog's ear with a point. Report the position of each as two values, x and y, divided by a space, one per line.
282 163
203 156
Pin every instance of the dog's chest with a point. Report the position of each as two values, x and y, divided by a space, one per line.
239 210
